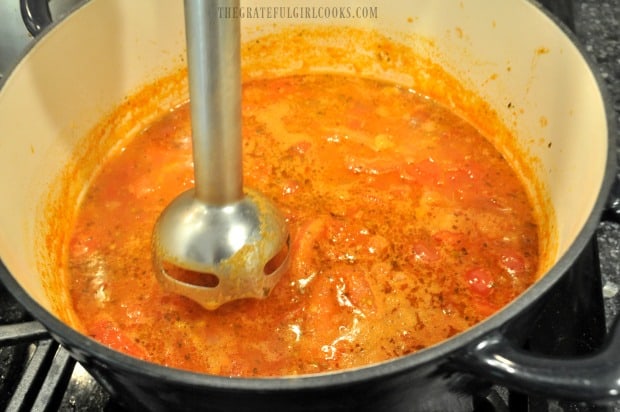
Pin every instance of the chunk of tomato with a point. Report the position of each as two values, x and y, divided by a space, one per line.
480 281
426 172
302 251
423 253
109 334
300 147
512 262
358 291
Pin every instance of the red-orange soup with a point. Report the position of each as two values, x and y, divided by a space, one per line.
407 226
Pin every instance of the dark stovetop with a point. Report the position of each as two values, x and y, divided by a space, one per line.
596 24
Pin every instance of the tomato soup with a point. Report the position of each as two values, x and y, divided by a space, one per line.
407 226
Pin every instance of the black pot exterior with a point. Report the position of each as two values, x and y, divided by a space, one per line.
425 388
429 386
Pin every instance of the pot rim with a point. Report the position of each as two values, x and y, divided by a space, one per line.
79 344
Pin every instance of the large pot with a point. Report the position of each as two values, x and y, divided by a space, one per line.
517 58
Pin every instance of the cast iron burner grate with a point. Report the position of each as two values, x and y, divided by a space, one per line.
38 374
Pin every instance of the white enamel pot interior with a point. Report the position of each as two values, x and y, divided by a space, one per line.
526 67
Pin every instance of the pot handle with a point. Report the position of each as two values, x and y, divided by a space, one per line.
36 15
592 378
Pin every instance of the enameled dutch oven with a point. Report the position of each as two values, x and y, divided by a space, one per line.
525 65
